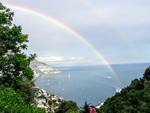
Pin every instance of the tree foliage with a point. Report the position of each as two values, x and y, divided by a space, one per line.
14 63
13 102
147 74
133 99
86 108
15 68
68 107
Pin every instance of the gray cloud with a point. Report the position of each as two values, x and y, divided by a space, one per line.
119 29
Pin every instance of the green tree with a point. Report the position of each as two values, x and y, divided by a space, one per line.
13 102
67 107
86 108
14 63
147 74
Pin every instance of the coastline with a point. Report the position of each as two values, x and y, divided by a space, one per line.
47 101
43 99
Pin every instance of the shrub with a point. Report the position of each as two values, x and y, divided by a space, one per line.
13 102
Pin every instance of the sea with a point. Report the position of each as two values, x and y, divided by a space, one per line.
92 84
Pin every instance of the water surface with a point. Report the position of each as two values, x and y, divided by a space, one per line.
93 84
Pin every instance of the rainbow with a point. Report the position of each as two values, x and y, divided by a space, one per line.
68 29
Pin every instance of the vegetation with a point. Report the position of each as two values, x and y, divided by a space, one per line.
16 86
133 99
13 102
68 107
86 108
15 68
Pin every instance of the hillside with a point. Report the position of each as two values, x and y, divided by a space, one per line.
41 68
133 99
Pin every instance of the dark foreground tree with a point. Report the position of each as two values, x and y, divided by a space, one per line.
147 74
86 108
15 68
68 107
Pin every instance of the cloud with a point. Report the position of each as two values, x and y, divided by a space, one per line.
51 59
72 61
82 61
119 29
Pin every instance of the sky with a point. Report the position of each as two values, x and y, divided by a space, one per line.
118 29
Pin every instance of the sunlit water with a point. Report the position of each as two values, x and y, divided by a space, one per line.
93 84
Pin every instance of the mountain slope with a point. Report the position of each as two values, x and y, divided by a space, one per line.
133 99
41 68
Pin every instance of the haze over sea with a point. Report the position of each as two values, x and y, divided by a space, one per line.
93 84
